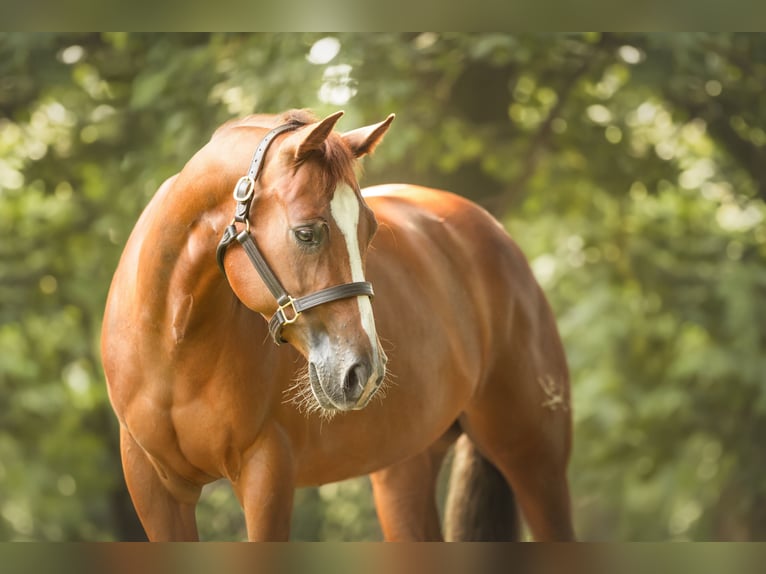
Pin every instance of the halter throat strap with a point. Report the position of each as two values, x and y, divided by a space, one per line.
288 308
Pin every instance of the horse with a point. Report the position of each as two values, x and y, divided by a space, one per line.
343 333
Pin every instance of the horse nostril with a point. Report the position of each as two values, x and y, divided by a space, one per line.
355 379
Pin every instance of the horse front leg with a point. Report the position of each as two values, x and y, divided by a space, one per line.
265 487
165 507
405 495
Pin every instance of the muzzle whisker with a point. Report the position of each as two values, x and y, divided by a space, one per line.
300 395
386 344
389 380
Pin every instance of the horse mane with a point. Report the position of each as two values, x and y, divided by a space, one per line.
269 121
336 156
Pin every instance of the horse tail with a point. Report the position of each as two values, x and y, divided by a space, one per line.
480 505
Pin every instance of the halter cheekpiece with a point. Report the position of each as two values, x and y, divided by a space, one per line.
288 308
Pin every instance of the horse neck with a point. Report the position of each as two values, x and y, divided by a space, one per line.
190 293
184 289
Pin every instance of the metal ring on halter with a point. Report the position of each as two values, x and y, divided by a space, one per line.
247 223
248 188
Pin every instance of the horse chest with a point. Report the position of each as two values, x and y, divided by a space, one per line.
359 443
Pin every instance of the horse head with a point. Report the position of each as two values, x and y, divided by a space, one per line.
312 229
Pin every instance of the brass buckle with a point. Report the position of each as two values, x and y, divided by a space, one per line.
281 311
248 193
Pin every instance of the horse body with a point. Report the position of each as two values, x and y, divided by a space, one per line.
201 393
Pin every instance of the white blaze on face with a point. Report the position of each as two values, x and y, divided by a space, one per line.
344 208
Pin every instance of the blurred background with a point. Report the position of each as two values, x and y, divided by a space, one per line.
630 168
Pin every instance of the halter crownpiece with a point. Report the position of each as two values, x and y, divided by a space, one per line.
288 308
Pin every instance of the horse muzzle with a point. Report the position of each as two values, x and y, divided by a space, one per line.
346 385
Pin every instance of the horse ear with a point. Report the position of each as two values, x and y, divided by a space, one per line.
363 140
316 134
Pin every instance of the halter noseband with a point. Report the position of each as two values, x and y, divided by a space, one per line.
288 308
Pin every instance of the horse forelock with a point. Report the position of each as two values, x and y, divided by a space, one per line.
338 162
335 155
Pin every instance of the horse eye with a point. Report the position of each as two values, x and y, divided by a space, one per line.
305 235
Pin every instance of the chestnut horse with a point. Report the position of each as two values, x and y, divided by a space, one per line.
459 336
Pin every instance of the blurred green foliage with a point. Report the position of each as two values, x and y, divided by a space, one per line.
630 168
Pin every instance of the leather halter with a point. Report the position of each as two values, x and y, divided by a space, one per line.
243 194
